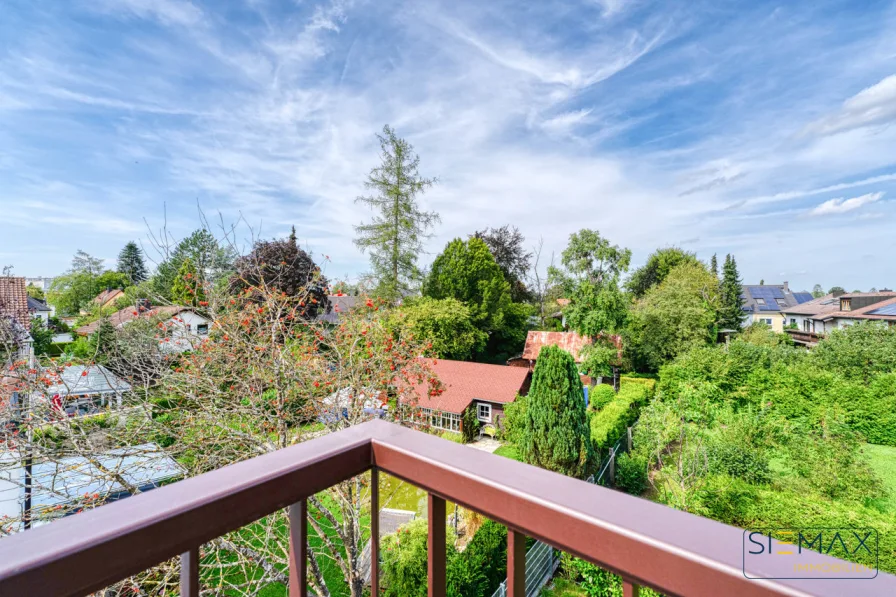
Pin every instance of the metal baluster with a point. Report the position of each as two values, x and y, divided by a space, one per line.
298 549
436 546
189 573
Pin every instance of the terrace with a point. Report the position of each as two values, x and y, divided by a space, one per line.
646 543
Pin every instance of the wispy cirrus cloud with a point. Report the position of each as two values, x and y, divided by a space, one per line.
874 105
842 205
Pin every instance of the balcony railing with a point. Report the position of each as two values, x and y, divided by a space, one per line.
646 543
804 337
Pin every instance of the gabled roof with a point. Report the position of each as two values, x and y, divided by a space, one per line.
883 310
771 297
107 296
339 304
464 382
825 304
14 300
78 380
571 342
37 306
119 318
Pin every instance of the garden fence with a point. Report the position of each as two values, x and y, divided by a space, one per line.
541 562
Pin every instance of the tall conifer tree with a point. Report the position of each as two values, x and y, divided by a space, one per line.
731 314
131 264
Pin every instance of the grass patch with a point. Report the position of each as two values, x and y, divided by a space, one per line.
563 588
509 451
883 461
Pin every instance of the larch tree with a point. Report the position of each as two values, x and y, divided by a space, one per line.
131 264
555 433
394 237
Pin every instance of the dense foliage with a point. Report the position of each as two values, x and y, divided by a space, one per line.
75 290
444 323
609 423
554 433
506 245
657 268
731 313
212 260
131 263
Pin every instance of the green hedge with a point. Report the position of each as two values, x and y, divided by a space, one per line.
608 424
599 396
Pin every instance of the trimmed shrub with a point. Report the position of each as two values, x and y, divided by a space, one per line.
452 436
599 396
608 424
631 473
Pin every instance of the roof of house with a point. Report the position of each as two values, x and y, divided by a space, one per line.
127 314
36 305
571 342
72 381
339 303
885 310
867 294
464 382
772 297
14 300
822 305
108 295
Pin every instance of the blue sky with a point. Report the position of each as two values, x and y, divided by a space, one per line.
757 128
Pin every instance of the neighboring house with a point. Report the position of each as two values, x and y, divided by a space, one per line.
765 303
571 342
182 326
57 487
81 390
107 298
40 309
40 282
339 304
818 317
486 388
15 321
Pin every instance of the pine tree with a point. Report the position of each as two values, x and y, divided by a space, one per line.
714 266
187 289
394 237
555 433
131 264
731 313
103 340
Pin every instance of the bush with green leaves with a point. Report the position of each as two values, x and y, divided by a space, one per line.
403 568
631 473
469 425
609 423
514 418
599 396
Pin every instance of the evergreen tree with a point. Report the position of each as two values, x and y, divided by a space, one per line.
131 264
714 266
187 289
506 245
102 342
555 433
212 261
731 314
394 237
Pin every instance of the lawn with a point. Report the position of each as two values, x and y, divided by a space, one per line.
509 451
883 461
563 588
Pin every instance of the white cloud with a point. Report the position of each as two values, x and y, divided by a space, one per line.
872 106
168 12
841 206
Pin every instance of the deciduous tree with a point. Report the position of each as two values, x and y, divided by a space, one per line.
446 324
658 266
506 245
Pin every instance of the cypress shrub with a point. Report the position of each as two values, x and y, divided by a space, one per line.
554 433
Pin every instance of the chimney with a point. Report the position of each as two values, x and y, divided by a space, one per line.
786 287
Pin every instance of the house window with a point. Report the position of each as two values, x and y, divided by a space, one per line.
760 301
202 329
484 412
845 305
793 321
440 420
781 302
806 327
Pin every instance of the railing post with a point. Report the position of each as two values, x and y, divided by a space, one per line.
628 435
298 549
516 564
630 589
612 467
189 573
436 547
374 532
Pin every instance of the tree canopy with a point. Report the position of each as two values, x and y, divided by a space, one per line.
674 317
555 433
730 308
212 260
73 291
506 245
394 236
658 266
131 264
446 324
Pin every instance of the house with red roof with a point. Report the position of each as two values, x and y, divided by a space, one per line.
483 387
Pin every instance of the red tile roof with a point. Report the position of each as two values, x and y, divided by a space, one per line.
129 314
14 300
464 382
108 296
571 342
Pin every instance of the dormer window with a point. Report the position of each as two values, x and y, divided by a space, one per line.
845 304
781 302
760 301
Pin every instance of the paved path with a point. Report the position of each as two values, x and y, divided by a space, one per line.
486 444
390 520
